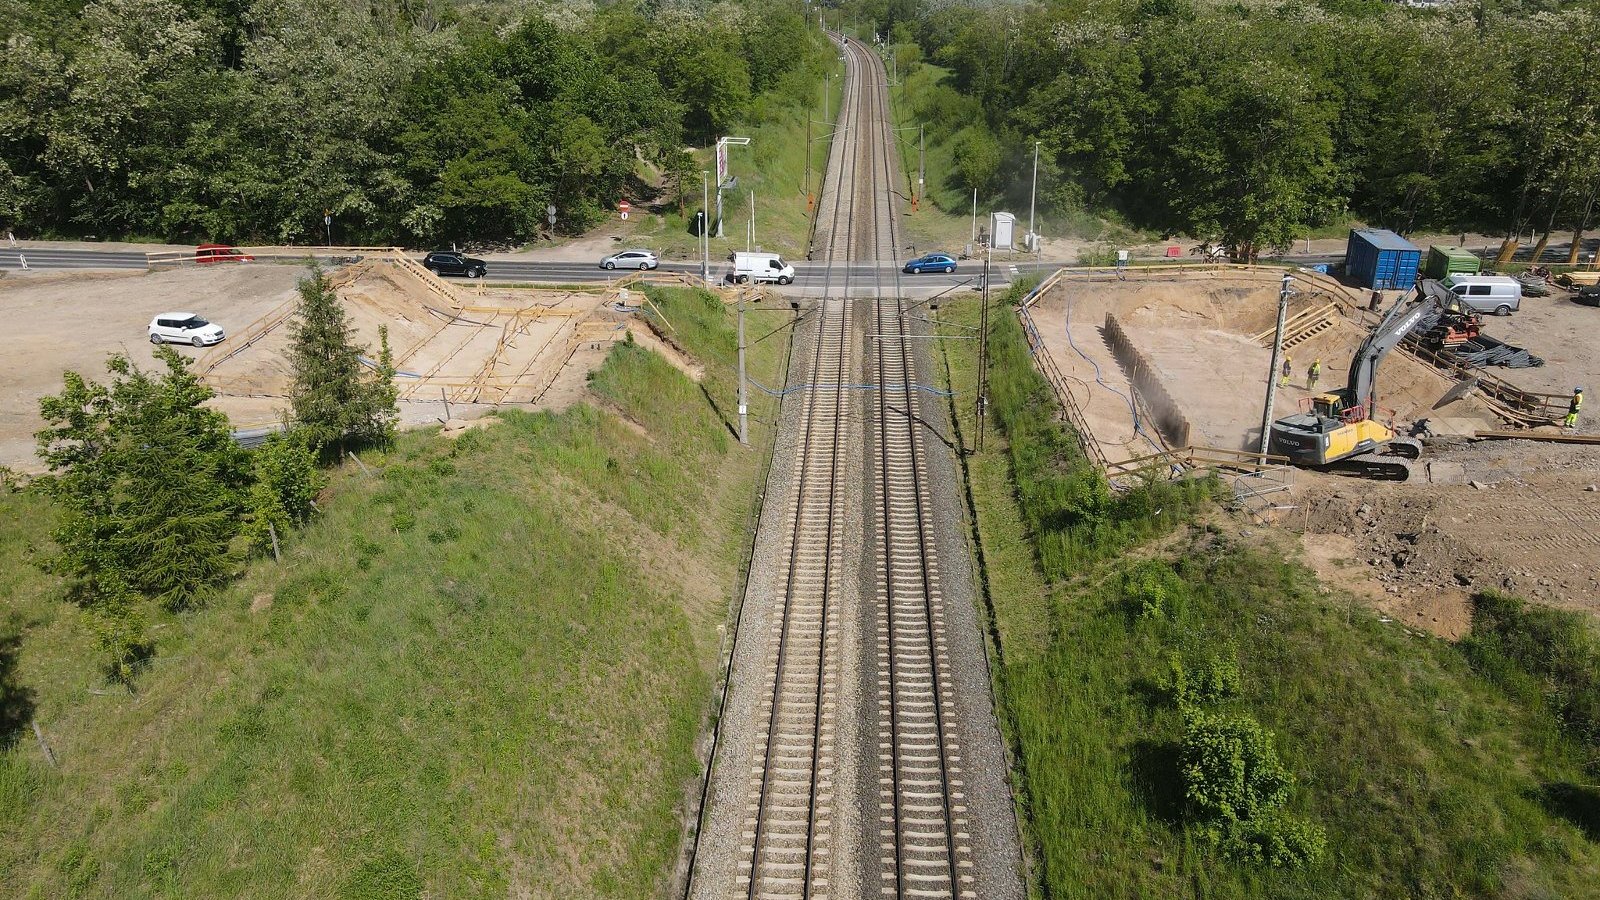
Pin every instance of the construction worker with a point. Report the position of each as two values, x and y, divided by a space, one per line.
1312 374
1573 405
1288 366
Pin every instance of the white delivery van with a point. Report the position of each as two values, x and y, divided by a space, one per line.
759 267
1498 294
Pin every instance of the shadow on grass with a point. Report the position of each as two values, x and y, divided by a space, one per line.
722 416
16 700
1577 803
1154 779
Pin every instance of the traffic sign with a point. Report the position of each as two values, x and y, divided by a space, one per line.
623 207
550 213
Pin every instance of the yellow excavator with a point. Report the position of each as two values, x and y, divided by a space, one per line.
1339 431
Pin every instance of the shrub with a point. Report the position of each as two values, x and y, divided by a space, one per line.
1552 653
1236 786
1213 681
1150 587
286 483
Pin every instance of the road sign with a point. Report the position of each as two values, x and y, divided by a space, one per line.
623 207
722 162
327 219
550 213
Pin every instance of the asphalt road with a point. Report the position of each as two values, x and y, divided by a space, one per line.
809 276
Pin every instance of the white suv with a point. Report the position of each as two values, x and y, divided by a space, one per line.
184 328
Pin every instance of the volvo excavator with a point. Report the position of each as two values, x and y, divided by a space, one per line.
1339 431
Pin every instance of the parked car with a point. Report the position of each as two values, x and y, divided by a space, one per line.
933 262
453 262
184 328
1498 294
1588 295
215 253
631 259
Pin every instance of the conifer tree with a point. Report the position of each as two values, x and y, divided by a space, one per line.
151 483
337 400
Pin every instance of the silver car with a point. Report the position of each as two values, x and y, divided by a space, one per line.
631 259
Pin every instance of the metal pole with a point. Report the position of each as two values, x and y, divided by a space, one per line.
922 163
974 215
744 401
750 239
983 348
1277 360
826 81
705 243
1033 192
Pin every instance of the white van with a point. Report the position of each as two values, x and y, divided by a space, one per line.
1498 294
759 267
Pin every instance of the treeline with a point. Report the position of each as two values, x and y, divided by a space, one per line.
1251 123
247 120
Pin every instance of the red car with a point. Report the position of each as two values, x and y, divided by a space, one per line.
211 253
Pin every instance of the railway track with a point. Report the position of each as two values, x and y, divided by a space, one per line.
923 840
835 743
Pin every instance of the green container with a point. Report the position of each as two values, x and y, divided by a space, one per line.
1444 261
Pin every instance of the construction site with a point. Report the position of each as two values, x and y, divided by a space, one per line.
459 350
1165 373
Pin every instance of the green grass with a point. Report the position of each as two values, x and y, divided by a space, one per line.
1430 779
481 672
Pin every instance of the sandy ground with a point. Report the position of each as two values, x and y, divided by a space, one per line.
1563 333
74 321
1513 515
505 348
1197 331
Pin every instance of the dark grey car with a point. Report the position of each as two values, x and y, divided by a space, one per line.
451 262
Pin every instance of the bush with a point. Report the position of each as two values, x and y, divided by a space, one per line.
1213 681
286 484
1236 786
1151 588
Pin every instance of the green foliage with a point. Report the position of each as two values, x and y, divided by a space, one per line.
1151 587
977 157
285 484
1542 654
1230 770
337 403
1254 123
408 121
1213 680
151 484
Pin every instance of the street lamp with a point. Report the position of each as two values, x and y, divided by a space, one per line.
722 170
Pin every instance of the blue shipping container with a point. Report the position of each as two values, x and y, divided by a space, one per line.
1382 260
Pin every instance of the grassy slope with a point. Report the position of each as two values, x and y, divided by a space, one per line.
481 673
1425 776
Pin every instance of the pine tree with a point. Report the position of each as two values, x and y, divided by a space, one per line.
151 484
337 400
327 391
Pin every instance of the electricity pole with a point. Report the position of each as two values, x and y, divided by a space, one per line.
922 162
1277 361
705 241
744 400
983 348
1033 192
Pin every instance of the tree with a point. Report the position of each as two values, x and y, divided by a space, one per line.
151 483
337 402
286 483
977 156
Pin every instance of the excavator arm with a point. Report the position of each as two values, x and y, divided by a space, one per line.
1429 297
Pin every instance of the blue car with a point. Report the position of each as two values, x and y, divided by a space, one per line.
933 262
